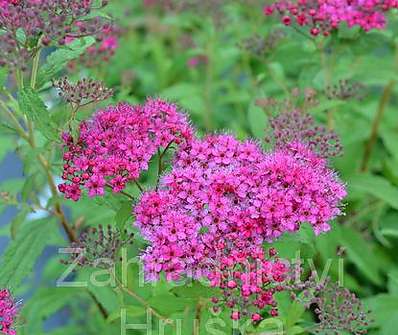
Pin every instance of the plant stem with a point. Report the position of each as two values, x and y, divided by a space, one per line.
385 98
160 163
327 81
58 211
198 312
122 192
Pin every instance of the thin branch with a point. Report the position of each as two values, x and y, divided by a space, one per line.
121 192
385 98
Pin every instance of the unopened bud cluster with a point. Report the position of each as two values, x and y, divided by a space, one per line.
345 90
336 308
99 247
84 92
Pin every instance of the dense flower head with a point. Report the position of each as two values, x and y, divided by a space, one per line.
116 145
297 126
224 198
45 21
8 311
322 16
248 281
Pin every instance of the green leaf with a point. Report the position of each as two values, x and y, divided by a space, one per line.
193 290
3 76
258 121
384 308
28 188
17 221
390 140
361 254
46 302
123 214
6 144
22 253
131 311
169 303
377 186
58 60
35 109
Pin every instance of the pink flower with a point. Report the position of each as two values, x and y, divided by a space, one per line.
8 311
323 16
229 198
116 145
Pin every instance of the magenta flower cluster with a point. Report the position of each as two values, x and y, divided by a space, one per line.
210 215
116 145
223 190
8 311
323 16
248 280
222 200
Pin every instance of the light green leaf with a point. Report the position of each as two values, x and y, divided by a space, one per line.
131 311
22 253
169 303
3 76
35 109
258 121
123 214
6 144
43 304
58 60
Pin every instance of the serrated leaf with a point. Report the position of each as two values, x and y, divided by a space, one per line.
58 60
34 108
22 253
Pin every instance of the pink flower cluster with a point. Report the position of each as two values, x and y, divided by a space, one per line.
8 311
104 49
224 198
322 16
116 145
248 281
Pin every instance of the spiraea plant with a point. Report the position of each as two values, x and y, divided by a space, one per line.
180 167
